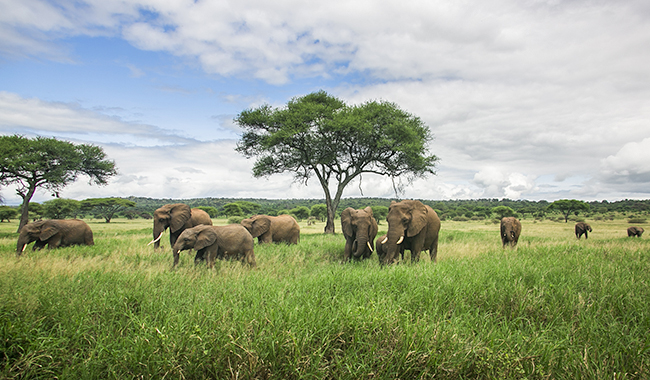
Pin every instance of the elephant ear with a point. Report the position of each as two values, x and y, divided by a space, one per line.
205 238
374 228
368 210
260 226
346 222
180 214
419 215
47 231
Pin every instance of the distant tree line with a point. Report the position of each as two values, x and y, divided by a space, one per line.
315 209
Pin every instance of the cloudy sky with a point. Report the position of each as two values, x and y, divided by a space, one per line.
527 99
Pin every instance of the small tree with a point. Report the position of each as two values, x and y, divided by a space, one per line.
60 208
301 212
319 212
49 164
249 208
106 207
232 209
212 211
568 206
7 213
503 211
36 210
318 135
379 213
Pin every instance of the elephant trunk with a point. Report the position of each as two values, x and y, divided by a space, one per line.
158 230
393 240
361 246
22 244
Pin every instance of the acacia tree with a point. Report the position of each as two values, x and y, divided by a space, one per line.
49 164
106 207
318 135
568 206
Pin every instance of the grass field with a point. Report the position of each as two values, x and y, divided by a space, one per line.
555 307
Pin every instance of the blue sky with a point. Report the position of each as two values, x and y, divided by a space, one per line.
537 99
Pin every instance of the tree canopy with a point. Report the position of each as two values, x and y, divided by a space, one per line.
106 207
568 206
49 164
318 135
61 208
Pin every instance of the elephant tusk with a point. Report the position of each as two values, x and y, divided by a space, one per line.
385 240
370 247
24 246
156 239
400 240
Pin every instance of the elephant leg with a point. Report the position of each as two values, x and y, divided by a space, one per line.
348 250
199 257
433 251
250 258
586 235
39 245
176 258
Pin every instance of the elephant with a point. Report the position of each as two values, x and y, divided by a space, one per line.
177 217
634 231
359 228
382 248
510 231
224 242
55 233
267 229
582 228
414 226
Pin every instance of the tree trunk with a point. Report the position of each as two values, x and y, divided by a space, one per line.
24 208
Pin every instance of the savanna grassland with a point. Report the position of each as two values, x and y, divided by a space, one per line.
555 307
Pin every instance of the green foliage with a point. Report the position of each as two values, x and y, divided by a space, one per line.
106 207
636 220
379 213
319 211
7 213
235 219
61 208
300 212
233 209
49 164
249 208
568 206
503 211
318 135
212 211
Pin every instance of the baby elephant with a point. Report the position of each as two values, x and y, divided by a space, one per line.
582 228
229 242
634 231
54 233
510 231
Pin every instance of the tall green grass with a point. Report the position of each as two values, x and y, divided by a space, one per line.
555 307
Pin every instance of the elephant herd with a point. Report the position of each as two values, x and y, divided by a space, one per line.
412 226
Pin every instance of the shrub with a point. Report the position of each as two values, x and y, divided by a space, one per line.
235 219
460 219
636 220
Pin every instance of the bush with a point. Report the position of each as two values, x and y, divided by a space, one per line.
235 219
460 219
636 220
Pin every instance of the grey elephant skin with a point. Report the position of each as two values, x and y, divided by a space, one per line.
634 231
54 233
582 228
414 226
224 242
276 229
510 231
360 229
381 247
177 217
